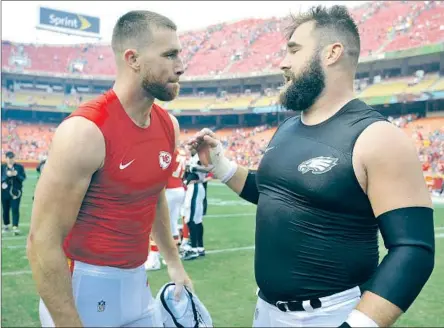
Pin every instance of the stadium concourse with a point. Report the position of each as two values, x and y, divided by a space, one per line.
231 84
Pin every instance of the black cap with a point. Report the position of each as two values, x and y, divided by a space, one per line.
9 154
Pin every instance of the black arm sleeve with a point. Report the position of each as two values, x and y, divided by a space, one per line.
250 192
409 236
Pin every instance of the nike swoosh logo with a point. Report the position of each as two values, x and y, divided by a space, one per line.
122 166
268 149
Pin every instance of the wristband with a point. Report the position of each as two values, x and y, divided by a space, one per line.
358 319
223 168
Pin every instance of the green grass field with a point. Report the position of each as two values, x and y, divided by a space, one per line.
224 279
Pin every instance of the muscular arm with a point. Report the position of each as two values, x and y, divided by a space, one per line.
176 131
77 151
395 183
161 232
237 182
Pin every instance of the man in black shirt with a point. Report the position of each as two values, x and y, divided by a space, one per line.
13 175
328 180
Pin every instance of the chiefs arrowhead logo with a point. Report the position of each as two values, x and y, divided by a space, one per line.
164 159
318 165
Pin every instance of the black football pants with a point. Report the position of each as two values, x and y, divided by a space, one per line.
10 205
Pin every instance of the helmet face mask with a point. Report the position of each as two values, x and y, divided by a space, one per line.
188 312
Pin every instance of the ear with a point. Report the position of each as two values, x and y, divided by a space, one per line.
131 58
334 52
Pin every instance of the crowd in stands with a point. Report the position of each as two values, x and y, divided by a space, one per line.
430 144
402 121
28 141
247 46
244 145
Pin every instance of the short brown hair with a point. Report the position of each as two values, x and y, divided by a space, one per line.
137 25
333 25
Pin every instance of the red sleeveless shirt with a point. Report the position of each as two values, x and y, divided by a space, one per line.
118 211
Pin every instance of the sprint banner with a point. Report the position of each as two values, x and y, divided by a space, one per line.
68 23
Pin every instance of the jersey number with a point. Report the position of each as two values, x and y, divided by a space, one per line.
180 171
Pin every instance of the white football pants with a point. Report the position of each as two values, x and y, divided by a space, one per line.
175 198
110 297
193 205
334 311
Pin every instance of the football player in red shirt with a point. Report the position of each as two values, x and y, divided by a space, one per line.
102 193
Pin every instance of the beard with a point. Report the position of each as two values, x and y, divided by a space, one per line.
160 91
304 90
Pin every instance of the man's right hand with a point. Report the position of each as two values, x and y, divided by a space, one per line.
204 141
211 155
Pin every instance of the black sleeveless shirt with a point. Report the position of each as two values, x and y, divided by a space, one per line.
316 234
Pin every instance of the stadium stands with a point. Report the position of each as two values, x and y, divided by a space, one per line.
384 16
187 103
389 87
247 46
429 137
28 141
246 145
423 85
426 28
234 101
438 86
251 45
400 85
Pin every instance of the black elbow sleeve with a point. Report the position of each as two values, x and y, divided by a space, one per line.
408 235
250 192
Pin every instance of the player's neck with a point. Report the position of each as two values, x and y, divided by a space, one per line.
329 103
135 103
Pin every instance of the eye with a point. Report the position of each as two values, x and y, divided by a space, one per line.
171 56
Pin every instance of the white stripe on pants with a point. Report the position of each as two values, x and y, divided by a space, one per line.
110 297
175 198
334 311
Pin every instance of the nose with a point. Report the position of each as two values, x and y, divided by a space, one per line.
285 64
180 68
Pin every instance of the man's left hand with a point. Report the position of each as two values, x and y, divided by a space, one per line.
180 278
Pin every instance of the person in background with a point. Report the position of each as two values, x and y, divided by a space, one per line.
40 167
13 175
194 207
